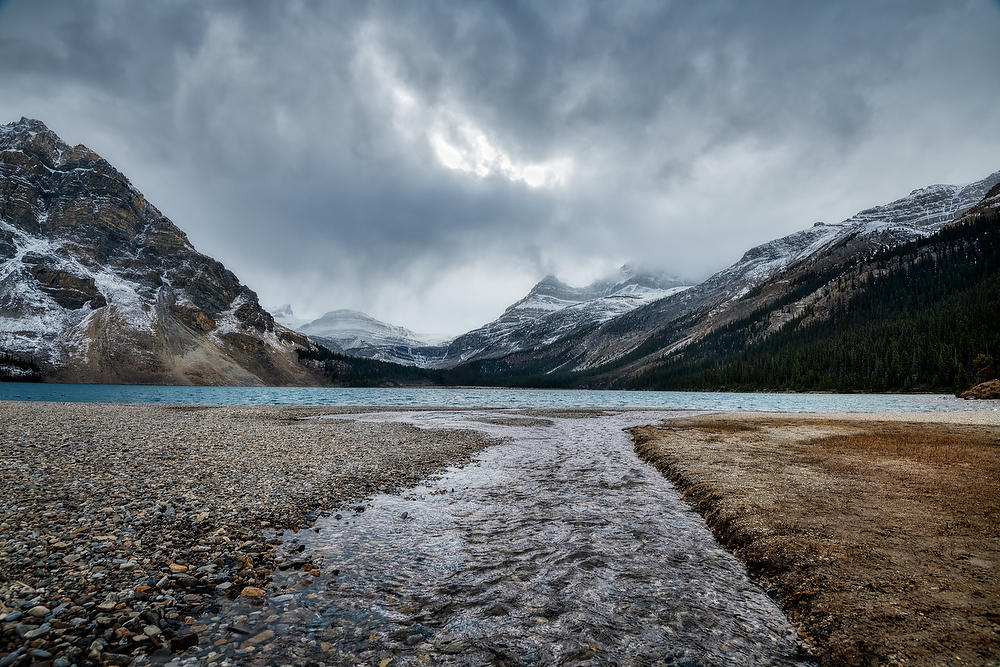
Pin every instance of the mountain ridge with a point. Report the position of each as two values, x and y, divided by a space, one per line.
638 338
97 285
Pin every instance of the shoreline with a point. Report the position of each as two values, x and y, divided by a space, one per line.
817 392
878 534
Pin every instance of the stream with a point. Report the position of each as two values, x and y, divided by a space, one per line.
557 547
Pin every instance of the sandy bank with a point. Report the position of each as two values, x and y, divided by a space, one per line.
120 524
880 534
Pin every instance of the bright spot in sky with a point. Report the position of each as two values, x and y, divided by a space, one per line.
461 145
455 140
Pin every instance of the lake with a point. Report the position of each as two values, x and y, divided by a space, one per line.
486 398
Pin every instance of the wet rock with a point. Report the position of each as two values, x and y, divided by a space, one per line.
40 631
261 637
184 641
253 592
13 658
39 612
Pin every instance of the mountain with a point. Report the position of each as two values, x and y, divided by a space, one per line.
917 316
989 205
361 335
799 265
552 309
284 316
97 285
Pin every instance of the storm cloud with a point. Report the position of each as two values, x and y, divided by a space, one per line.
427 162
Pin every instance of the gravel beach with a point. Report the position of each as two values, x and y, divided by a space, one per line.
154 534
120 525
879 534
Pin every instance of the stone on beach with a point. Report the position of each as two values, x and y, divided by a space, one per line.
123 518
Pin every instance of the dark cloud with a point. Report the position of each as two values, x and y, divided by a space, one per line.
428 161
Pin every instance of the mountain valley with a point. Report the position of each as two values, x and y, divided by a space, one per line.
96 285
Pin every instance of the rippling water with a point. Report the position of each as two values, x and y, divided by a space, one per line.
483 398
559 546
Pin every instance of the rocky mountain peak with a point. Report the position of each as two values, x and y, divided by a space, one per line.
92 275
631 274
35 138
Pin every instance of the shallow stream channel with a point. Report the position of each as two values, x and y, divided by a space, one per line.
558 546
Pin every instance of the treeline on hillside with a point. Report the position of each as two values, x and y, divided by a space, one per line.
928 318
359 372
14 368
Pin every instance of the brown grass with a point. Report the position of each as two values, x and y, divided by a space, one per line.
881 539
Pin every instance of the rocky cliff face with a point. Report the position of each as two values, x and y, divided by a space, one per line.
96 285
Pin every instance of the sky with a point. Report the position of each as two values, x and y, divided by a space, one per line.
428 162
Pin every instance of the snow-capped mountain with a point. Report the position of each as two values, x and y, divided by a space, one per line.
928 207
353 329
96 285
552 308
284 316
919 214
358 334
990 204
667 324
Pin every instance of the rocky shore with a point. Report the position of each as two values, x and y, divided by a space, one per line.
879 534
123 525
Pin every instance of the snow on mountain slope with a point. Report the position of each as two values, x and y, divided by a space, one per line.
353 329
96 285
286 317
926 207
728 294
551 309
358 334
989 205
920 213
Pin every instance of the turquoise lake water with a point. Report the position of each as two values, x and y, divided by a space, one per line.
491 398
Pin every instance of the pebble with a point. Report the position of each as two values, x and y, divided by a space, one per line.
122 518
261 637
40 631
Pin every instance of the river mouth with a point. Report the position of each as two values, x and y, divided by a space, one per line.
557 547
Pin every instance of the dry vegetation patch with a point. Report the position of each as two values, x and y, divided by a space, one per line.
881 539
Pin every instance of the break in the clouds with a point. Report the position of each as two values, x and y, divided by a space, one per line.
427 162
